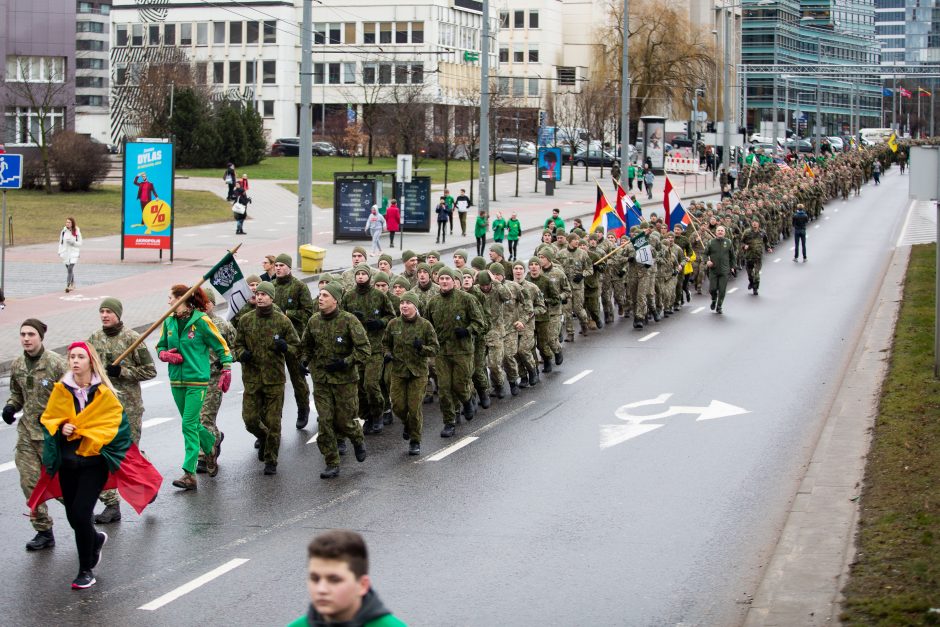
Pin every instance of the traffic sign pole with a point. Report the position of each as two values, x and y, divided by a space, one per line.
3 249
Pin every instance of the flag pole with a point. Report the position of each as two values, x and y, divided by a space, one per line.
152 327
632 208
612 252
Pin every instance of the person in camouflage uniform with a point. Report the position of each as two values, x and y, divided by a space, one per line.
592 282
32 377
112 339
293 298
546 333
213 399
754 242
263 342
557 276
408 342
458 322
535 306
515 312
334 343
374 310
495 297
577 266
410 273
644 269
423 289
348 278
480 377
382 282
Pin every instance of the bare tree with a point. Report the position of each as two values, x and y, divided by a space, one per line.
370 97
404 119
39 95
468 125
569 120
151 83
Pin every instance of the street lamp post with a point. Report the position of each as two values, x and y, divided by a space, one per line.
726 93
625 92
818 95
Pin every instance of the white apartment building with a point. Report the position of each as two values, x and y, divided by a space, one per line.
362 52
92 23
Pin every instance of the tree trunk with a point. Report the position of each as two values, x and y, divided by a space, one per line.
370 148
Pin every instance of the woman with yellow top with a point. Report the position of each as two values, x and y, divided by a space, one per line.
88 448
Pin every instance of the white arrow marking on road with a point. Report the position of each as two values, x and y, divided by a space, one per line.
153 422
611 435
198 582
7 466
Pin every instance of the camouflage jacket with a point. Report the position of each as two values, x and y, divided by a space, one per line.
534 302
30 386
332 337
495 302
136 367
399 342
372 308
550 296
256 335
451 311
293 297
227 329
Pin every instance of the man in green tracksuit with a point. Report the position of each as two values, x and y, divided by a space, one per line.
334 343
408 342
293 298
719 257
458 321
374 310
264 340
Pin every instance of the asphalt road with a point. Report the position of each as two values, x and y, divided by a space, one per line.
535 521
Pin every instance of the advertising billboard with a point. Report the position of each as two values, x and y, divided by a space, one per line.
147 207
550 163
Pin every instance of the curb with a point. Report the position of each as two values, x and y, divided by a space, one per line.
803 581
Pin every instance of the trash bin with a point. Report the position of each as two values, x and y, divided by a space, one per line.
311 258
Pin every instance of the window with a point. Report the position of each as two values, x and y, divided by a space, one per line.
137 34
503 86
533 54
251 33
218 32
105 9
401 32
202 34
335 37
533 19
120 35
504 19
84 7
153 34
350 32
518 55
186 34
22 124
385 74
417 73
92 45
202 68
120 75
368 33
250 78
368 74
267 108
334 73
235 33
518 19
567 75
349 73
319 34
385 33
88 64
234 72
533 87
518 87
417 32
92 27
218 72
89 81
504 55
268 72
91 101
401 74
318 69
169 34
270 32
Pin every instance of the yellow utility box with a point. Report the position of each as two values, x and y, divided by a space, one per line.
311 258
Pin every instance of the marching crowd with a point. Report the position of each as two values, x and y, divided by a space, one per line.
375 343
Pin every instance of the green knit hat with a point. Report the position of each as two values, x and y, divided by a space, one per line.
465 271
386 257
497 268
210 294
334 289
266 287
423 266
460 252
252 278
410 297
483 279
114 305
379 277
478 262
497 248
362 267
435 253
445 271
362 251
534 260
286 259
547 253
437 267
402 281
408 254
326 277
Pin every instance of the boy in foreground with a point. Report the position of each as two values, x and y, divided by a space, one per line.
339 585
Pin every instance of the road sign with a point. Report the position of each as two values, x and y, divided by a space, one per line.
611 435
471 56
11 171
403 168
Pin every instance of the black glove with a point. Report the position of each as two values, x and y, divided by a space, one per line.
387 359
337 365
621 273
245 357
461 333
304 369
578 277
564 301
8 412
359 315
631 259
418 344
375 324
675 273
734 272
602 267
113 370
280 345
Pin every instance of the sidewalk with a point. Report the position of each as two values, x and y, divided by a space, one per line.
35 276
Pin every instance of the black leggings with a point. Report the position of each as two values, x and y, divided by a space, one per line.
442 231
513 247
81 486
481 246
799 237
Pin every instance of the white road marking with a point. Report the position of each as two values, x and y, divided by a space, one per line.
907 219
826 218
314 438
198 582
648 337
7 466
702 308
577 377
324 232
777 260
816 227
453 448
732 290
153 422
149 384
837 211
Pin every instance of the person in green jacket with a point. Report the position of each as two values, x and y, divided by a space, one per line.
185 341
514 228
499 228
719 256
339 585
479 231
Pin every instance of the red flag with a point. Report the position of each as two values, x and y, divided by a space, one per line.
904 93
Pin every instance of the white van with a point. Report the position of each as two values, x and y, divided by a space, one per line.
871 136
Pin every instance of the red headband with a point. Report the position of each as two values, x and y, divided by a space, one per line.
81 345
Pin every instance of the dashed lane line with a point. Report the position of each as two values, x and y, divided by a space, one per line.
149 384
577 377
7 466
153 422
816 227
695 311
196 583
453 448
732 290
648 337
474 435
777 260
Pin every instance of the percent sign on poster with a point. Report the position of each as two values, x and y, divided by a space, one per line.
157 216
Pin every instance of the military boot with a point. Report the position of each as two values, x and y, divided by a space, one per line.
534 377
559 357
637 323
448 431
303 416
341 446
484 399
513 388
330 472
414 448
42 540
387 417
360 450
500 390
546 364
468 411
110 514
523 379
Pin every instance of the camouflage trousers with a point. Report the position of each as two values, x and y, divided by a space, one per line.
644 289
494 359
135 420
262 407
481 380
298 381
510 350
592 305
28 460
620 293
371 402
630 283
698 272
525 356
337 407
607 298
753 271
407 394
671 299
575 308
454 372
546 335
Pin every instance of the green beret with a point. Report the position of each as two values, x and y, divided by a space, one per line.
266 287
483 278
380 277
360 250
424 267
460 252
497 248
253 278
114 305
402 281
497 268
334 289
408 254
286 259
478 262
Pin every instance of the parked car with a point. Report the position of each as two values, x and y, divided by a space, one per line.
594 158
324 149
837 144
800 145
507 153
286 147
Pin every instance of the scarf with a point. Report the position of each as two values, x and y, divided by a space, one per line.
96 424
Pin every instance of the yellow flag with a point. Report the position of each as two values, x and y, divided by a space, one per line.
893 142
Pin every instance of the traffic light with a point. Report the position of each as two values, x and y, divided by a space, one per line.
471 56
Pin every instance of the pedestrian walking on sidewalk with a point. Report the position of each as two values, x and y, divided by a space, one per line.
462 202
392 222
443 218
449 200
648 181
70 240
479 231
375 224
185 343
240 209
230 178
